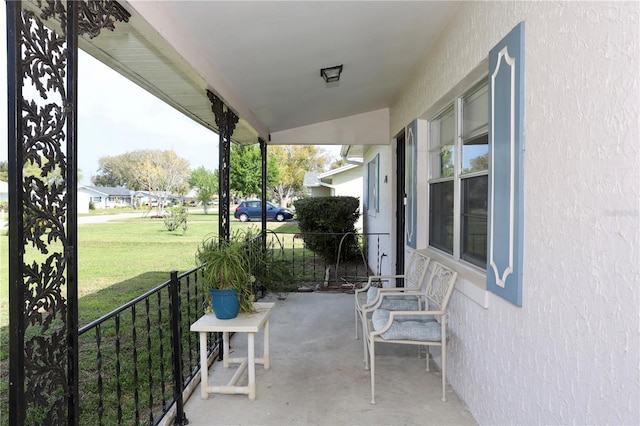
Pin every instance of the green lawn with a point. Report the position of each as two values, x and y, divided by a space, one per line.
138 252
118 261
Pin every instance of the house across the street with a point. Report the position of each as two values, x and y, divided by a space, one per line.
4 191
103 197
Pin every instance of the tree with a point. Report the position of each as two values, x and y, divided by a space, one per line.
206 183
294 161
446 161
4 171
42 170
245 170
337 164
480 162
158 172
120 170
163 173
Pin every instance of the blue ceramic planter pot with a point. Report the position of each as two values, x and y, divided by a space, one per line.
225 303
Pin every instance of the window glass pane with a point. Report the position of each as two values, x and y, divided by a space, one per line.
475 154
475 111
474 220
442 132
441 216
447 128
372 173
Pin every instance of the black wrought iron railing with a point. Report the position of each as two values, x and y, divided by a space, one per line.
136 361
357 255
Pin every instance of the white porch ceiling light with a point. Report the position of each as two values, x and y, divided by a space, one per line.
331 74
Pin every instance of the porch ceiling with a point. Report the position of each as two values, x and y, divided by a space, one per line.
264 58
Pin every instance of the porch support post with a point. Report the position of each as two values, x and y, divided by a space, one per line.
226 121
42 40
176 346
17 402
263 156
73 398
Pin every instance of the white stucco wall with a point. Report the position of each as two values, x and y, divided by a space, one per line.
348 183
320 191
83 202
571 353
382 221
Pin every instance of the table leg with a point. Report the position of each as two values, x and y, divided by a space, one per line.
252 365
225 344
204 370
267 356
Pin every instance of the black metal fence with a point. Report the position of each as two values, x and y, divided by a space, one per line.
136 361
312 270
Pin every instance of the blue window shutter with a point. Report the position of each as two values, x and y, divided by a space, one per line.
367 179
410 183
506 134
377 192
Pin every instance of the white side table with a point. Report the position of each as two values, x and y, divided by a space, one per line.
243 323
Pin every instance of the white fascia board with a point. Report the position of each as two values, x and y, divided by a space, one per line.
327 185
337 171
369 128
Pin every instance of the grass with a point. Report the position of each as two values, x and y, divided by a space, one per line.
138 251
118 261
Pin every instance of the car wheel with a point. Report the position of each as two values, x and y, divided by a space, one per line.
280 217
244 217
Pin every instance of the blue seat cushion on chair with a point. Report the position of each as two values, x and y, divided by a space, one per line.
400 303
394 303
410 327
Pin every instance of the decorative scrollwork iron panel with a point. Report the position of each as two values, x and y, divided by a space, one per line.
226 121
44 208
42 42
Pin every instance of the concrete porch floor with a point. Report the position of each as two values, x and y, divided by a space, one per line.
317 375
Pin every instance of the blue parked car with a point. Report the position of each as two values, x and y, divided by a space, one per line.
252 209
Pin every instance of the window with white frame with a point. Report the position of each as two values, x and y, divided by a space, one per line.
373 169
458 177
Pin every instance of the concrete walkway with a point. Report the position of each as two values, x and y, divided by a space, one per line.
317 376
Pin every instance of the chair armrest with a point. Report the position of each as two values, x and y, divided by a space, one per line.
373 278
404 290
378 301
397 291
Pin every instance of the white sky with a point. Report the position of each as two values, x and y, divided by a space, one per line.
116 116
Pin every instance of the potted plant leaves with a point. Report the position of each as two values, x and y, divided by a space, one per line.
227 272
278 278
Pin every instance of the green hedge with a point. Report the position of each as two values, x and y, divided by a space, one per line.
328 215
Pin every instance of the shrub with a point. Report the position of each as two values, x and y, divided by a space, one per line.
177 218
335 216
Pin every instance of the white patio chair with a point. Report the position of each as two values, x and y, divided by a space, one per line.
423 328
367 296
